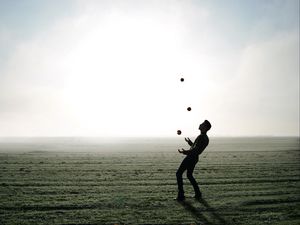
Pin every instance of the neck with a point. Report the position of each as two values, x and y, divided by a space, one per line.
203 132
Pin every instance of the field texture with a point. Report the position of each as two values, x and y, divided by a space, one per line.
239 187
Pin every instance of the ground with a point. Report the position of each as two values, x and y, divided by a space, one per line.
138 188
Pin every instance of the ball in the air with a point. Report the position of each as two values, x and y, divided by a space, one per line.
182 79
189 108
179 132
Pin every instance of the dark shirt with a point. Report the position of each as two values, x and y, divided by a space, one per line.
198 146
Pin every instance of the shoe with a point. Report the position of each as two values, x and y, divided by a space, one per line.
198 196
180 198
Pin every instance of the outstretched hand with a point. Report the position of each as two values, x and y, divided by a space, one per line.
181 151
188 141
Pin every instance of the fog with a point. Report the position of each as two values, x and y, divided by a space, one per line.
113 68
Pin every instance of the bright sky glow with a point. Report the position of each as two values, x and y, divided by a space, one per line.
113 68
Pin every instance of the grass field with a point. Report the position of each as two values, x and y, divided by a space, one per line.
239 187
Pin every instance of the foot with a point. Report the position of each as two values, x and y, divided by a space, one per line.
198 196
180 198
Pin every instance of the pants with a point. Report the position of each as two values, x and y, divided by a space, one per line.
187 164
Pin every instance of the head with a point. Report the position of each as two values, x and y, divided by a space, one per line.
205 126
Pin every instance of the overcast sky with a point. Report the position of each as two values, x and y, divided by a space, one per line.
113 68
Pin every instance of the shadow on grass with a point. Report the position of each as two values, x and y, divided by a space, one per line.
195 212
213 212
199 216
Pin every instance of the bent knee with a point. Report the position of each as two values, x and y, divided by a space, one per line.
189 176
179 174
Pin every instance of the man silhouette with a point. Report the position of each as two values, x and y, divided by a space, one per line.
191 159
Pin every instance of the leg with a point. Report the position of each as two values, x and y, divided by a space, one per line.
180 171
190 171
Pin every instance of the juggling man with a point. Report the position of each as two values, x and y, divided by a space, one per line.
191 159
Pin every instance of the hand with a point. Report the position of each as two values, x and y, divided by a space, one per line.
181 151
188 141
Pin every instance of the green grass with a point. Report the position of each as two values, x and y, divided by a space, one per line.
138 188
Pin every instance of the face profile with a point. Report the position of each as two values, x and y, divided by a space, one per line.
205 126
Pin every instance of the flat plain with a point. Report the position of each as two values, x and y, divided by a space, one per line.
249 182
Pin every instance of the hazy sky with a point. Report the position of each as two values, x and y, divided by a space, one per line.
113 68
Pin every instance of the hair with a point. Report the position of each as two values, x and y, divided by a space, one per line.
207 124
